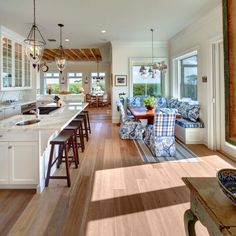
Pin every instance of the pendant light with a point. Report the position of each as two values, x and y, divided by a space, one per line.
61 59
154 66
98 78
34 43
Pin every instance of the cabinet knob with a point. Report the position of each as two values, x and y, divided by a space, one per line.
9 147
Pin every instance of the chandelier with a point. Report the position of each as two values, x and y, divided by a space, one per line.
154 66
61 59
98 77
34 43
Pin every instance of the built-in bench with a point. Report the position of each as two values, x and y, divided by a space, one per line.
189 132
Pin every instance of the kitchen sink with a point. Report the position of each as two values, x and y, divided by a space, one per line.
27 122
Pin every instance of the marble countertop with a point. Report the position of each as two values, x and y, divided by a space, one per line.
56 120
19 103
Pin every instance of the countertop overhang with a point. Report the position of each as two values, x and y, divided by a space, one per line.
56 120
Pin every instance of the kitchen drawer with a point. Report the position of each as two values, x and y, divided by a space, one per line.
13 136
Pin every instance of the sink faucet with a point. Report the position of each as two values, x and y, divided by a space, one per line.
35 112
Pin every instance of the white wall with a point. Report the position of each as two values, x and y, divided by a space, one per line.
121 54
199 36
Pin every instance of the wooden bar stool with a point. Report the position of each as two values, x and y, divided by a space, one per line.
64 140
88 120
74 127
85 128
80 134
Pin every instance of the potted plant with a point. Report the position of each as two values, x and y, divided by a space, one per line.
149 102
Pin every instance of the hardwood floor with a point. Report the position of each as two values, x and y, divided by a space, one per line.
113 192
12 204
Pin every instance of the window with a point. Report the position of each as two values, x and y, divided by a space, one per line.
52 80
145 84
74 81
98 85
189 75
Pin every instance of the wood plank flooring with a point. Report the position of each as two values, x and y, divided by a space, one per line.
114 193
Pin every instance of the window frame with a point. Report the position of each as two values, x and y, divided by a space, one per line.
176 72
51 77
74 77
100 74
182 67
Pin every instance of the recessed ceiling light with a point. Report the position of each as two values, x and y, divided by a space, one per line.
67 40
103 31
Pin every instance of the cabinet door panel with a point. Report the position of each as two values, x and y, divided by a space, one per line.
24 162
4 166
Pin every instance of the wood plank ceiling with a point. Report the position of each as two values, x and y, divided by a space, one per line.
79 54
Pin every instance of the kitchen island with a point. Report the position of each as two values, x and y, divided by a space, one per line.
25 149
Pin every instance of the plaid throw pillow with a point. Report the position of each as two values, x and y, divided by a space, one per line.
164 125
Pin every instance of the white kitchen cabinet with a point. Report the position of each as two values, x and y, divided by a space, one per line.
19 163
1 114
15 67
4 166
12 111
23 157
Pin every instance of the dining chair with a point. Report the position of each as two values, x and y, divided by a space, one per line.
160 137
129 128
105 99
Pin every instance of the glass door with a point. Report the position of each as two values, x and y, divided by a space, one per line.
7 63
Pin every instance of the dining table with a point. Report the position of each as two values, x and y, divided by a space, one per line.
97 97
144 113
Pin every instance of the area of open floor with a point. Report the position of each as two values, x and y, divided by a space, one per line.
113 192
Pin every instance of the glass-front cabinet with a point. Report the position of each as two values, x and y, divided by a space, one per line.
15 67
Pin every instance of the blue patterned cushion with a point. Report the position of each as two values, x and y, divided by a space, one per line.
164 124
161 102
172 103
136 101
189 124
183 108
193 112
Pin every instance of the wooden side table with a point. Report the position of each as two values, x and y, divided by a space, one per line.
210 206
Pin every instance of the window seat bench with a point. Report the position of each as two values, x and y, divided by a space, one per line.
189 132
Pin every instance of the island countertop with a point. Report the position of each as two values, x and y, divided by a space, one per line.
56 120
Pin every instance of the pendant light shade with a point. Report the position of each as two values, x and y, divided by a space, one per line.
98 78
34 43
61 59
152 71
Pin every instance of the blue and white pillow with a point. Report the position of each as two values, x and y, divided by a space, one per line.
172 103
193 112
135 101
162 102
183 108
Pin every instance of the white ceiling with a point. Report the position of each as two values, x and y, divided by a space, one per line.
124 20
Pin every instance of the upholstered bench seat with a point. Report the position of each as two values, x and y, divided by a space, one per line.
189 124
